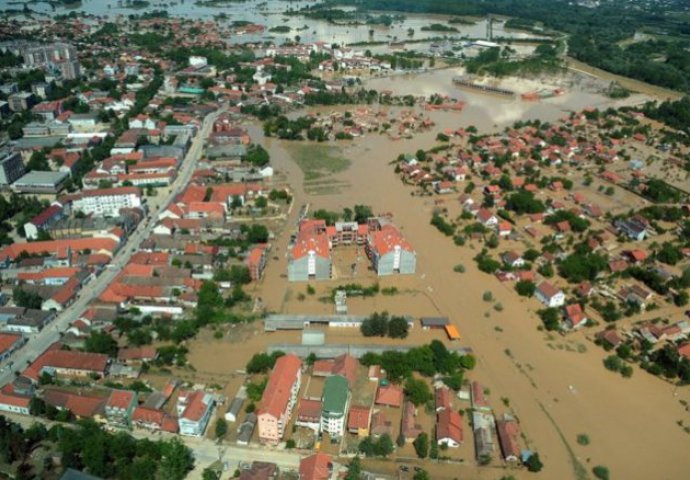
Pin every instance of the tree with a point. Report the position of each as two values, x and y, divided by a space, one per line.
533 463
23 298
421 445
375 325
362 213
421 475
551 318
221 428
176 460
101 342
384 446
398 327
525 288
261 202
417 391
354 469
210 474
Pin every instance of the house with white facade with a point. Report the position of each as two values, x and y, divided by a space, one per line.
194 411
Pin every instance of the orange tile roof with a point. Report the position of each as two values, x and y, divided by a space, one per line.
449 425
308 241
309 409
386 239
120 399
67 359
56 272
196 405
59 246
359 418
277 393
391 395
7 341
316 467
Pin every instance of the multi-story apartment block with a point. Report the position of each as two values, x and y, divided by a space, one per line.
279 399
107 202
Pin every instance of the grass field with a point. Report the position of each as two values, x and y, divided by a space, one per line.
318 161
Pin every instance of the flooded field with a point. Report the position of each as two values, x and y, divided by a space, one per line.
272 13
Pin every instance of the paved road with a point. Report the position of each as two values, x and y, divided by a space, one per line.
39 342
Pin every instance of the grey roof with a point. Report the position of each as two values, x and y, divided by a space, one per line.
31 142
298 322
334 350
434 321
235 406
246 428
37 177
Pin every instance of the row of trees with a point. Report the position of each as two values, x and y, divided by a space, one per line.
85 446
382 325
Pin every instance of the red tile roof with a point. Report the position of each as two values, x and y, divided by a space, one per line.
277 393
197 403
442 398
59 246
8 341
391 395
449 425
307 241
80 405
309 410
316 467
387 239
137 353
359 418
508 433
67 359
120 399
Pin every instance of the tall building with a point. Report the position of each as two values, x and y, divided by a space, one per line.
60 57
279 399
11 166
107 202
336 398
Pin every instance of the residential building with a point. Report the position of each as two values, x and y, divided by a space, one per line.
154 420
119 407
260 471
508 434
67 363
9 343
390 253
194 411
442 398
310 257
409 428
279 399
107 202
12 402
389 395
318 466
11 166
256 262
233 411
246 429
449 428
550 295
358 421
336 400
43 221
309 414
21 101
483 426
574 316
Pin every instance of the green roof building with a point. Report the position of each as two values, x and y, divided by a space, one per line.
336 400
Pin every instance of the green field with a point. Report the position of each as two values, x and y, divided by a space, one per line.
318 161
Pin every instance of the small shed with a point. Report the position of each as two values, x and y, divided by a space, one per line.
234 409
434 322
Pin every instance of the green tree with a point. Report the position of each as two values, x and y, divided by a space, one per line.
354 469
601 472
221 428
417 391
384 446
421 445
176 460
101 342
210 474
525 288
534 463
398 327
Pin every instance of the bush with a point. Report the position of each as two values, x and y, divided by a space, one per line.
583 439
459 268
421 445
601 472
534 463
488 296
